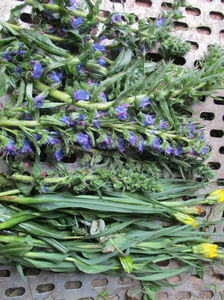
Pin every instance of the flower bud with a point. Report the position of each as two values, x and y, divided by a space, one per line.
205 249
183 218
215 197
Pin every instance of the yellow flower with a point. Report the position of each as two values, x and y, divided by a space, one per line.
185 219
215 197
206 249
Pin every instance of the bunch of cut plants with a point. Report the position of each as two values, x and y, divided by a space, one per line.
100 145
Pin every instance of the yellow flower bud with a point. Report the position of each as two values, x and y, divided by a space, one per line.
185 219
215 197
206 249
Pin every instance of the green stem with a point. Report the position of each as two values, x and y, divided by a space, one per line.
11 192
18 123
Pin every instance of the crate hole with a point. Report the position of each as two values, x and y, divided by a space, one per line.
166 6
31 272
180 25
204 30
153 56
221 34
216 133
219 102
99 282
221 150
178 60
199 179
70 159
206 294
113 297
202 99
15 292
86 298
145 3
124 281
220 182
73 285
193 11
162 295
44 288
183 295
163 263
4 273
118 1
216 15
214 165
26 18
217 277
194 45
174 279
209 116
198 64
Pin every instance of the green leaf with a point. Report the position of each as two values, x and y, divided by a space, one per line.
15 248
21 93
3 83
120 62
127 263
20 271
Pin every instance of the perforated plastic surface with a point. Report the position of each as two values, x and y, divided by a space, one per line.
202 26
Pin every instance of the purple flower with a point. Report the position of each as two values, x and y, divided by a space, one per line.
141 145
27 117
169 150
56 77
81 95
133 140
66 120
102 95
107 142
77 22
101 62
156 143
37 71
10 148
26 148
98 47
84 141
73 5
204 150
96 123
120 145
103 37
192 130
79 67
148 120
37 136
21 52
44 189
162 124
115 18
121 111
53 141
145 102
6 56
160 22
81 119
59 154
18 70
177 151
38 101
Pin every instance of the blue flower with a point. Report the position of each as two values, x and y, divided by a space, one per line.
79 67
27 117
102 95
148 120
26 148
192 130
169 150
10 148
77 22
120 145
82 117
156 143
81 95
177 151
53 141
101 62
145 102
121 111
59 154
38 101
98 47
21 52
56 77
162 124
44 189
37 71
84 141
160 22
115 18
103 37
107 142
73 5
18 70
141 145
133 140
96 123
6 56
37 136
66 120
204 150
